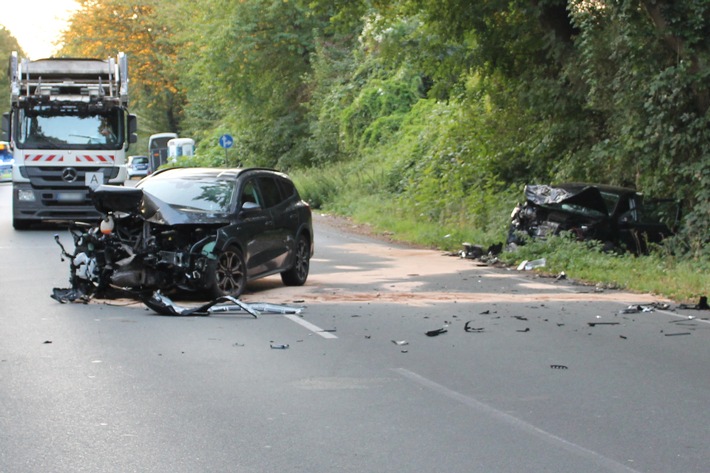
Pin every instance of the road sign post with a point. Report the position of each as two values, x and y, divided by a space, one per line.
226 141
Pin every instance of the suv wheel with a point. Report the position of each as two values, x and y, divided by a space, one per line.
228 276
297 275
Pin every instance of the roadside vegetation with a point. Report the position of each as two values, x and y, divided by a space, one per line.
426 119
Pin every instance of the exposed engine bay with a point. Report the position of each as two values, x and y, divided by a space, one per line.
137 249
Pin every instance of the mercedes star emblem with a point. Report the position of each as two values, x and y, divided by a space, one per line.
69 175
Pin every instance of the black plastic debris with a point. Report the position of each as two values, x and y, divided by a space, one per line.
559 367
676 334
471 251
467 328
434 333
279 346
527 329
520 317
162 305
701 305
69 295
561 276
594 324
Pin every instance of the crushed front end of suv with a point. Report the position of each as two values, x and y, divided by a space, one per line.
202 230
619 217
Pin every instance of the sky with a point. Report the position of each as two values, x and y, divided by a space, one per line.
36 23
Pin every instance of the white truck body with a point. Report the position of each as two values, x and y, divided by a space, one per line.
69 130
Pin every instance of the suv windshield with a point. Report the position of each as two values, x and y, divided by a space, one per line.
197 193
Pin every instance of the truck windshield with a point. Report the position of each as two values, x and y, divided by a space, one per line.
49 128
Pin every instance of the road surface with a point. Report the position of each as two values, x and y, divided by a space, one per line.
549 377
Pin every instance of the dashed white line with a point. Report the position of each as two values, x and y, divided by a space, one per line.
313 328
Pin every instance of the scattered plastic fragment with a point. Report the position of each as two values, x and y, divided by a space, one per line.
467 328
69 295
527 329
561 276
400 342
594 324
280 346
164 306
261 307
635 309
528 265
676 334
434 333
520 317
47 342
559 367
701 305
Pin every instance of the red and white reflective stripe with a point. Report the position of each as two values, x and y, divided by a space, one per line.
42 158
96 159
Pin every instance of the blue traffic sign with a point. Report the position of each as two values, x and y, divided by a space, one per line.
226 141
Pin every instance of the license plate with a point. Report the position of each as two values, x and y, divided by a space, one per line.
70 196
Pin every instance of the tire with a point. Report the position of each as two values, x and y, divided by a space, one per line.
19 224
228 275
298 273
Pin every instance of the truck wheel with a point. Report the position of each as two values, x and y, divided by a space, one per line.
19 224
227 274
298 273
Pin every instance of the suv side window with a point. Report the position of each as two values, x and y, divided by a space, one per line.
287 188
270 192
250 194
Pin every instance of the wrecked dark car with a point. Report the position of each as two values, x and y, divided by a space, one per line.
619 217
202 230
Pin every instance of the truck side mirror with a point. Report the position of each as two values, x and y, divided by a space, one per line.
132 128
5 127
132 123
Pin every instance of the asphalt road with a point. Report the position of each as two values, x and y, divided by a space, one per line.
550 377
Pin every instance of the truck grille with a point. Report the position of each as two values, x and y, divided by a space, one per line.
65 177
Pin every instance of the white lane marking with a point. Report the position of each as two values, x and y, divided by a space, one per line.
597 458
313 328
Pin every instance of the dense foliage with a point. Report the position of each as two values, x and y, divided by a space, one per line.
8 44
443 109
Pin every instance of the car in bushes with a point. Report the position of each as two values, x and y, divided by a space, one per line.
619 217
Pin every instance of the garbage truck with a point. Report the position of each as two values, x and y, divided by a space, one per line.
69 130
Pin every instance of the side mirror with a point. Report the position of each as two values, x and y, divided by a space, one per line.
132 128
5 127
247 206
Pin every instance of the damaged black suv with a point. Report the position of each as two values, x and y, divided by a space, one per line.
205 230
619 217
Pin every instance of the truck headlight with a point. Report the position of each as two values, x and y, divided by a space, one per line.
25 195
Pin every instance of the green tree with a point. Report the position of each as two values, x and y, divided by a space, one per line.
8 44
145 32
249 74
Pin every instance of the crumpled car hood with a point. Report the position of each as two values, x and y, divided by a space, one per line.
134 201
588 197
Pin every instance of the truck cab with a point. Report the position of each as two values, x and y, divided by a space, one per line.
69 130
